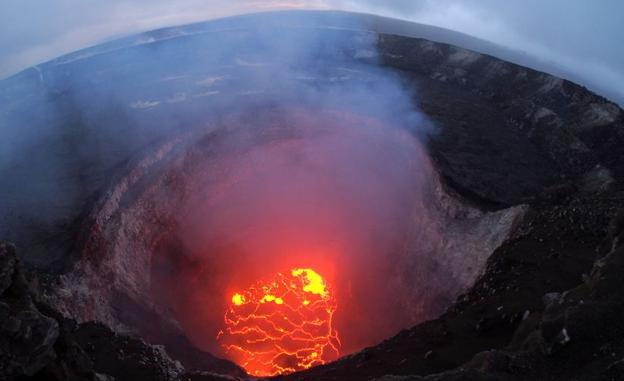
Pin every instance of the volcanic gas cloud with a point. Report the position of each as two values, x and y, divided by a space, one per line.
294 237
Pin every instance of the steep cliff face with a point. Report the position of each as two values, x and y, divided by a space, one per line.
38 343
524 173
509 132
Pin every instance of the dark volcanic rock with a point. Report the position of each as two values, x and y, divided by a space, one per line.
207 376
38 343
125 357
26 336
8 264
507 132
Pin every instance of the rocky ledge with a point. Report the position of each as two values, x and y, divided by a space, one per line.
38 343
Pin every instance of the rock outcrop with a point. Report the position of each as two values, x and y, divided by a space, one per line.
38 343
27 336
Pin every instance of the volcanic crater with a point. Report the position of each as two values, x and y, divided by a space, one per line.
209 214
373 212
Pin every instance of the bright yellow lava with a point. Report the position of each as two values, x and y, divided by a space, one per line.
238 299
315 283
281 325
271 298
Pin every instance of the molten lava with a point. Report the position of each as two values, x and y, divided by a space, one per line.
282 325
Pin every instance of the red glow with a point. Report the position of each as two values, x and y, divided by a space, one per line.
335 192
282 325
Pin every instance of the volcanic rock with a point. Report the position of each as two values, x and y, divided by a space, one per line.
37 342
26 336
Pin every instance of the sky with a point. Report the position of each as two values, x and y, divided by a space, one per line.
583 37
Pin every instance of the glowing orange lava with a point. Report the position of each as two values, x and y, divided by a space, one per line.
282 325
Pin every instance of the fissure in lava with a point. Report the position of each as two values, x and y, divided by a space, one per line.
282 325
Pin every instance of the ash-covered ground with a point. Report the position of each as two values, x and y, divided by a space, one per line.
520 280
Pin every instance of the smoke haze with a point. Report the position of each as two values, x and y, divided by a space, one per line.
323 169
581 37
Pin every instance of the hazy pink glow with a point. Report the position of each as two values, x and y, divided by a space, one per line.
341 194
